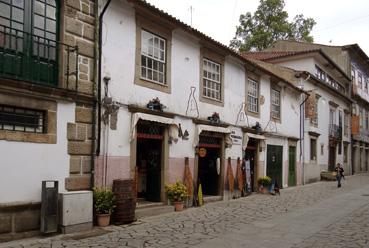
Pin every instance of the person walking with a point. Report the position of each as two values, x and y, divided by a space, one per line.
339 170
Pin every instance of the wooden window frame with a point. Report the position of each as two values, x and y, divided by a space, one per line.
279 90
161 31
212 56
254 78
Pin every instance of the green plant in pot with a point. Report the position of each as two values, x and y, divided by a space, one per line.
176 193
104 204
264 183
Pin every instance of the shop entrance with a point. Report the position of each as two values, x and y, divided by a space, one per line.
149 161
209 165
250 161
332 157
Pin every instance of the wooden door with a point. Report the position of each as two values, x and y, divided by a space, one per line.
274 163
332 158
292 166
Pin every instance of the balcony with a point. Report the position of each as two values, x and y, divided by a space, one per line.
34 59
335 132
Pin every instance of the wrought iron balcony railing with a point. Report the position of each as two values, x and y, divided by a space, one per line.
35 59
335 132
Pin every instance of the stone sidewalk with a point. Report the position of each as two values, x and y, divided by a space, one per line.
314 215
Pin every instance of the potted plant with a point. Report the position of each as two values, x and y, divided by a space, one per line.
176 193
104 204
264 183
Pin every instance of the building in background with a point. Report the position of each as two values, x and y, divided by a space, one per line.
327 136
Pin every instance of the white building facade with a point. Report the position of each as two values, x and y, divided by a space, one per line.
148 54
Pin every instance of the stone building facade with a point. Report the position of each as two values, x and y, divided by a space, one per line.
47 88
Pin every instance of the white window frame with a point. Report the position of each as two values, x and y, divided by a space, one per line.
252 94
211 80
275 100
154 53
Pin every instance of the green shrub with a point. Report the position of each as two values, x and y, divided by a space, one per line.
265 181
104 200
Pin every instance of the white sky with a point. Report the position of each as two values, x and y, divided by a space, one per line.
340 22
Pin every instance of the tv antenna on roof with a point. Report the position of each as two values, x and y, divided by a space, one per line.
191 9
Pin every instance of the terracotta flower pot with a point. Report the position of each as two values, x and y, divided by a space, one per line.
178 206
103 219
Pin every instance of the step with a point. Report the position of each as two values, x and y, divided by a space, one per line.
155 209
212 198
328 176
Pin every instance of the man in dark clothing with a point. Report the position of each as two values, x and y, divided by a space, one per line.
339 170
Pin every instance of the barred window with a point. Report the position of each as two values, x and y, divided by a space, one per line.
211 80
153 57
22 119
253 96
276 104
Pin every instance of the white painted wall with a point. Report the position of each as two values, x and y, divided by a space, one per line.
28 164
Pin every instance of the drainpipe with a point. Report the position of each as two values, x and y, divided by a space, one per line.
302 126
101 16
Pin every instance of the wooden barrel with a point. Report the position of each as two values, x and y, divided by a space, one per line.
125 194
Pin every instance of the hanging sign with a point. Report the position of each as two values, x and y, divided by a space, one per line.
202 152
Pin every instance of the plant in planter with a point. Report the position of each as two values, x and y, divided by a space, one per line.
264 183
104 204
176 193
155 104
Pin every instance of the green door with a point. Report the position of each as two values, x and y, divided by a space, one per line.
274 163
292 166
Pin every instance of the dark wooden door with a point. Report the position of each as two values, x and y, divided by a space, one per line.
332 158
274 163
292 166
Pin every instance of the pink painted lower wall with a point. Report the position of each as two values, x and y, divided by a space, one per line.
109 168
176 168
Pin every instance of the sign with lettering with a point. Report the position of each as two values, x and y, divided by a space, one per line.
236 137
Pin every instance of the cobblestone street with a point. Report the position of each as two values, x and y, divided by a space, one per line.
315 215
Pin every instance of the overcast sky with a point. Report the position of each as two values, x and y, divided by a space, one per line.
339 22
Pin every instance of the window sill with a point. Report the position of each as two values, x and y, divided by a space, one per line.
211 101
152 85
253 114
27 137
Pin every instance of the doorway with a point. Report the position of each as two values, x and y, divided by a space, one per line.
292 166
209 165
149 161
332 157
274 163
250 160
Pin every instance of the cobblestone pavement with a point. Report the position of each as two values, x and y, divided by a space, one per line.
214 221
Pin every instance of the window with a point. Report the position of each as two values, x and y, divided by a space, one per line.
319 73
346 124
29 27
366 83
276 104
345 153
253 96
22 119
361 117
313 149
332 116
314 119
360 80
367 120
153 57
211 80
353 77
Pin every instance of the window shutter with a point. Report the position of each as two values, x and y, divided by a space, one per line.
355 124
310 106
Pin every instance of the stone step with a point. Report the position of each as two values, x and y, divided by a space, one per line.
153 210
214 198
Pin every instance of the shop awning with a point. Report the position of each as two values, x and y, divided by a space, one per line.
247 136
173 127
215 129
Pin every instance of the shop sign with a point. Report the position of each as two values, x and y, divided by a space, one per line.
236 137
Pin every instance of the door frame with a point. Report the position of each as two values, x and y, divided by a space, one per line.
164 158
222 160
